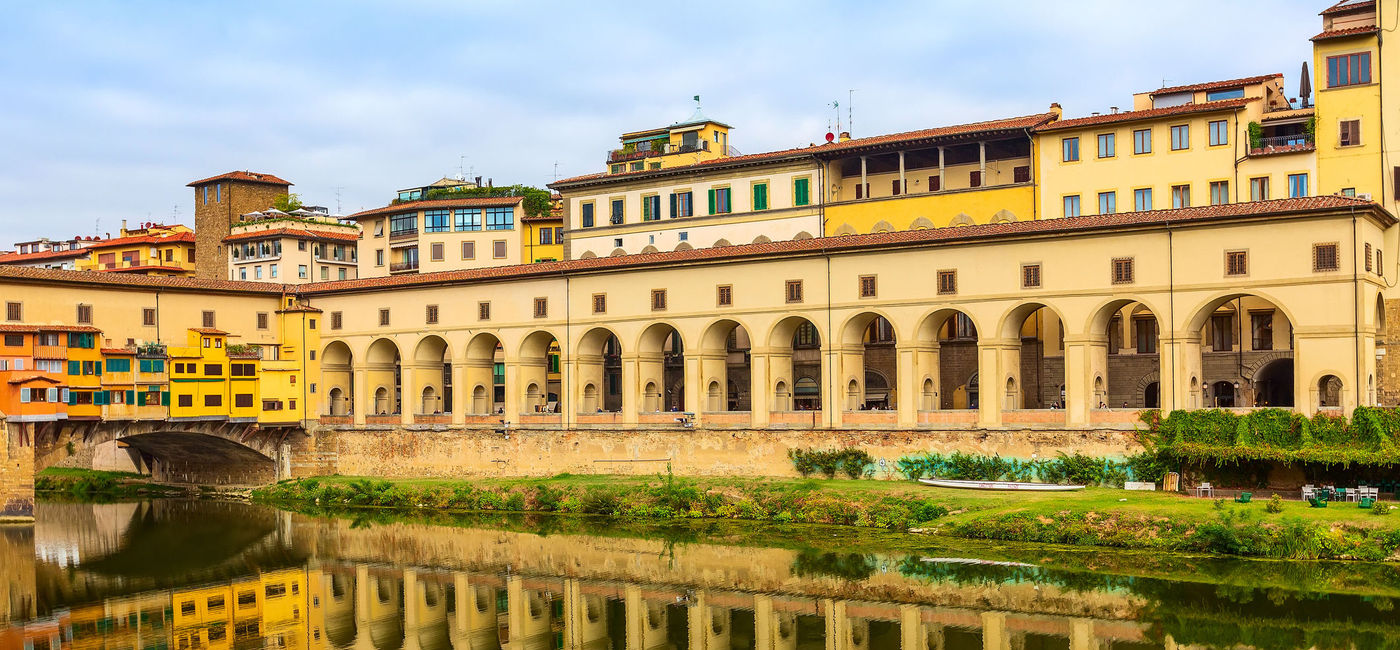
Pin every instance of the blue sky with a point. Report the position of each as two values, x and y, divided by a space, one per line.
111 108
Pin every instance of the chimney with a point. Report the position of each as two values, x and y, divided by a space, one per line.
1112 110
490 183
1056 110
844 137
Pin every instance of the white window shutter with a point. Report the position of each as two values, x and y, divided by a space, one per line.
23 395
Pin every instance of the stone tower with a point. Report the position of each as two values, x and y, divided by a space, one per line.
218 201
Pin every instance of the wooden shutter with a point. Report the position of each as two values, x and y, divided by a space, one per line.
712 201
935 183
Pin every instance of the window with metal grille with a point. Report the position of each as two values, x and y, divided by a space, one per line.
85 314
14 311
1236 263
213 400
148 316
383 318
793 291
483 311
1030 276
432 316
724 295
658 299
1021 174
600 303
1368 258
337 320
541 307
1325 257
867 286
947 282
262 320
208 319
1122 270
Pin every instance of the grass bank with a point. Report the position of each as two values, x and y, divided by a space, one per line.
1096 517
96 484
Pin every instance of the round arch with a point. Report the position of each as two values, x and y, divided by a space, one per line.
1204 309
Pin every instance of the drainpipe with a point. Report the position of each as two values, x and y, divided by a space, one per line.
1356 302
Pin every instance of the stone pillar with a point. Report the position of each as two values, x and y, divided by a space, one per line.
1086 357
760 388
633 609
982 163
532 371
697 627
763 622
17 473
911 629
995 636
1180 379
838 632
410 609
409 399
515 391
477 372
906 392
516 606
713 366
588 369
927 353
942 181
863 182
361 401
850 365
630 390
992 354
568 391
903 183
694 374
461 584
651 369
1081 635
461 392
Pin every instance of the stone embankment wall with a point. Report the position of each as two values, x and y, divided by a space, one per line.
443 452
16 472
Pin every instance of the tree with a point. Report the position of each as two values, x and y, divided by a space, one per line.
287 202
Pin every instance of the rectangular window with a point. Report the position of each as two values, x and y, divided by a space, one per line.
498 249
213 400
801 191
85 314
1325 257
185 400
1030 276
500 218
1069 150
1222 326
793 291
719 201
1297 185
935 183
1181 137
262 320
947 282
1071 205
208 318
14 311
403 224
337 320
1219 132
682 204
1348 133
1122 270
435 251
1236 263
1261 330
1142 141
1259 188
974 178
213 369
867 286
724 295
600 303
1219 192
483 310
468 250
1108 202
383 317
587 215
658 299
14 341
431 317
1349 69
469 219
243 401
1107 148
1181 196
1142 199
1368 257
651 208
378 227
894 187
546 236
1021 174
760 196
541 307
618 212
437 220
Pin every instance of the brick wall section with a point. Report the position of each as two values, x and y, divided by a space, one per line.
1388 366
17 473
213 220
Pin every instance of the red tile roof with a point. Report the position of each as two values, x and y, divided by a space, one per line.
87 278
1148 114
29 328
25 258
1347 6
118 352
933 236
470 202
293 233
1274 151
1011 123
244 176
24 379
1343 33
213 331
173 238
146 267
1217 85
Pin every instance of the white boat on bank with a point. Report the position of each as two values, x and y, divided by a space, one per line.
999 485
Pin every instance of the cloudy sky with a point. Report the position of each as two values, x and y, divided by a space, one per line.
110 108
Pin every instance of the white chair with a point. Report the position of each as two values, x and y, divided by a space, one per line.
1309 492
1205 489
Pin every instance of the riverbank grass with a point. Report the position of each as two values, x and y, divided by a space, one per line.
101 483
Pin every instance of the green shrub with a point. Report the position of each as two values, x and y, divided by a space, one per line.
1275 505
547 498
850 461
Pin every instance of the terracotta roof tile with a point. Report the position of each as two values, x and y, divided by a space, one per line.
136 281
24 258
1343 33
24 379
470 202
1276 150
209 330
146 268
245 176
294 233
1347 6
1023 122
172 238
118 352
31 328
14 328
932 236
1148 114
1217 85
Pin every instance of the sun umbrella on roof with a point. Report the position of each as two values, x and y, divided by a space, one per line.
274 212
302 212
251 216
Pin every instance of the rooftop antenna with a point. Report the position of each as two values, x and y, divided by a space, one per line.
836 108
850 108
338 188
461 162
697 103
556 170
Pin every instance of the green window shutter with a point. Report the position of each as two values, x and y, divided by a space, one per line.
673 205
760 196
712 201
131 397
158 365
75 368
141 398
99 368
165 398
800 191
72 398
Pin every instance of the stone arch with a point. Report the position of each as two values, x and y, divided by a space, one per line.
1204 309
867 341
684 246
724 349
1030 389
1004 216
661 353
338 376
762 239
1329 390
383 362
1120 329
963 219
843 230
882 226
648 249
483 351
922 223
948 357
721 243
801 235
587 255
617 252
432 369
599 363
796 345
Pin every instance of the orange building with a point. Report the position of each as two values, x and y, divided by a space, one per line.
35 388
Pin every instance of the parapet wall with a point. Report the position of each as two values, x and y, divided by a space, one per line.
445 452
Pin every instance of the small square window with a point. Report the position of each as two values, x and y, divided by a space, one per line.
658 299
1122 270
1236 263
468 250
947 282
1325 257
432 315
724 295
262 320
600 303
793 291
867 286
541 307
148 317
208 319
384 318
336 320
85 314
483 310
14 311
1030 276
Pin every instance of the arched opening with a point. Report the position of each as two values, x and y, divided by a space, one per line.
432 370
725 360
1128 354
1040 332
868 354
485 374
600 365
384 373
590 398
338 377
1273 384
1151 397
714 397
661 366
946 360
539 373
1329 391
782 397
1240 335
796 357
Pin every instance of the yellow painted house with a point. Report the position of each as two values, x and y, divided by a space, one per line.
1347 62
85 396
285 377
692 140
151 249
199 373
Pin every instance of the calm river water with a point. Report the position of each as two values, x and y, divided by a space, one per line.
182 575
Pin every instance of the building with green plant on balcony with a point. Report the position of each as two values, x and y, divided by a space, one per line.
294 247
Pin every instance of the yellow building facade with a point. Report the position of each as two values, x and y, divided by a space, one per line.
151 249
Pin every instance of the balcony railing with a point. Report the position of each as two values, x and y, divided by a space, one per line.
1278 143
399 267
644 150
